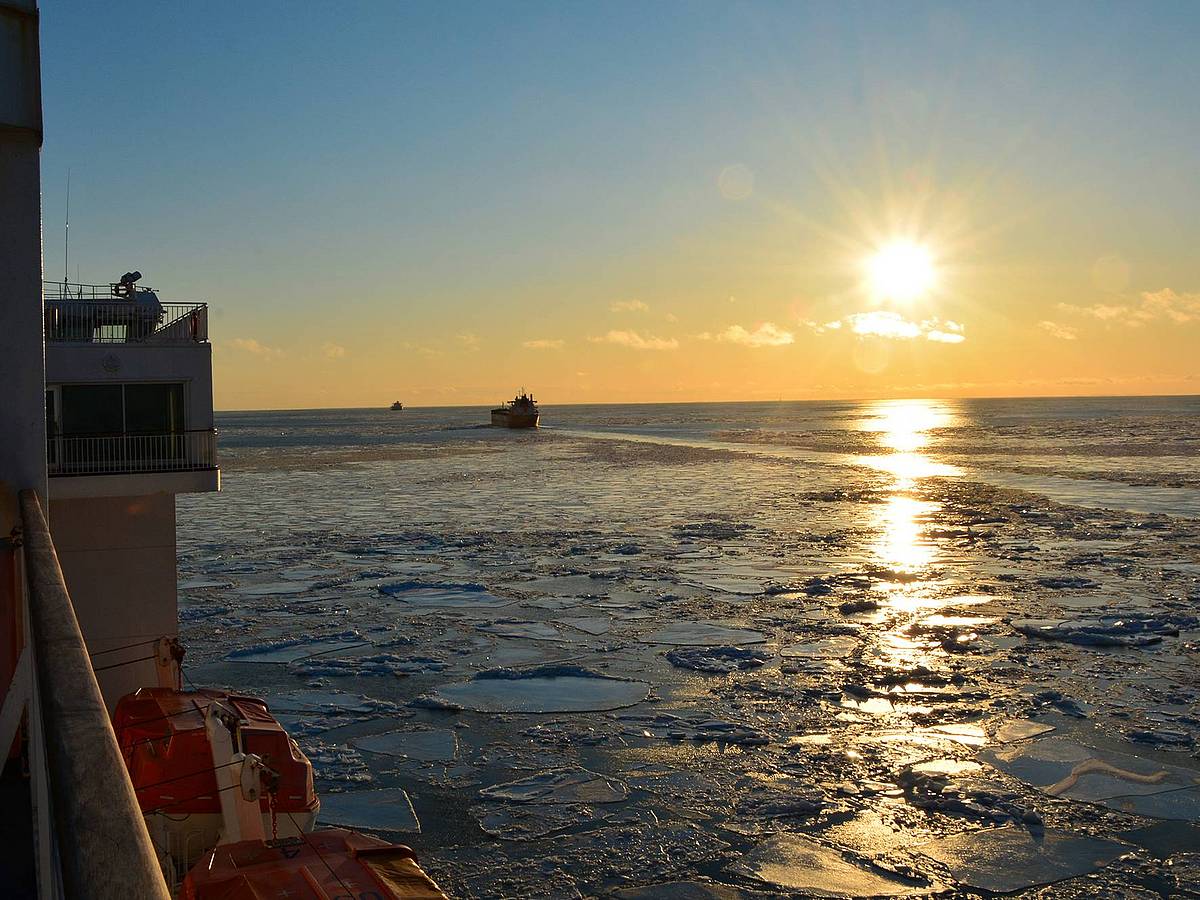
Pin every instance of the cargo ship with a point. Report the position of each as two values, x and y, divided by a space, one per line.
397 406
519 412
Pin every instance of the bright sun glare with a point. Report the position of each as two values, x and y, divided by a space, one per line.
901 271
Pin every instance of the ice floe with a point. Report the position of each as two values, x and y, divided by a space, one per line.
543 689
703 634
383 809
717 659
560 786
796 862
1006 859
438 745
288 651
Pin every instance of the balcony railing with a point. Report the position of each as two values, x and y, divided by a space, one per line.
90 314
119 454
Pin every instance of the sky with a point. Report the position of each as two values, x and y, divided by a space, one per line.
631 202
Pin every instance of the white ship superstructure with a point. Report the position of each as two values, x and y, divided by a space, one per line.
129 425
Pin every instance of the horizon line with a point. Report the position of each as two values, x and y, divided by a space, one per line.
909 398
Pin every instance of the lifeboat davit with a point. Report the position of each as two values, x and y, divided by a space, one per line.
329 863
187 753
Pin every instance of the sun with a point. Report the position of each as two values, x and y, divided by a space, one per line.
901 270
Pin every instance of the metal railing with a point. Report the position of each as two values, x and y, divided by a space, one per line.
114 454
101 846
125 322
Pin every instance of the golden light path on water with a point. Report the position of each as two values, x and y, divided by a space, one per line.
904 545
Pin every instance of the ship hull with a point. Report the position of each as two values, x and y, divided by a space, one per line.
503 418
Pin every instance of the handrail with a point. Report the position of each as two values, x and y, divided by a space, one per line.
104 848
74 290
109 454
115 321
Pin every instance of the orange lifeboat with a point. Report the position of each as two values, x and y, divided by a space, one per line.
329 863
180 767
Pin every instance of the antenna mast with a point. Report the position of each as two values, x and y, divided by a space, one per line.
67 237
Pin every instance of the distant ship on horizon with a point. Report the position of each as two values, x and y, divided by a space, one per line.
397 406
520 412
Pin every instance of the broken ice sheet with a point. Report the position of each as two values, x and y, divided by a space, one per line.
799 863
514 628
594 625
526 823
1020 730
421 745
198 582
543 689
385 809
1002 860
1118 629
1076 771
293 650
568 785
716 659
442 596
702 634
834 647
682 890
272 589
324 701
728 584
573 585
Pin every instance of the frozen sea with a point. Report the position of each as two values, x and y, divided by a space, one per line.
888 648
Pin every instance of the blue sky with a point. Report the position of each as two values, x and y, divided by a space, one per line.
435 168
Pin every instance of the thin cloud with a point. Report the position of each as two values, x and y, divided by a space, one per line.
893 326
469 341
635 341
333 351
1150 306
251 345
768 334
1062 332
620 306
543 344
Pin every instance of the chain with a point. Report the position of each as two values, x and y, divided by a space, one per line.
272 803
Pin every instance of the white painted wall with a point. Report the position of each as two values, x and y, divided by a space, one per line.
118 557
69 363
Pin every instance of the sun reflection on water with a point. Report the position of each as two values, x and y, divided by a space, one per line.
904 428
906 435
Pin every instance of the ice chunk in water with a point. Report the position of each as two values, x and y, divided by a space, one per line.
323 701
560 786
386 809
523 823
717 659
1130 629
538 631
1020 730
1002 860
799 863
543 689
702 634
681 890
1079 772
836 647
290 651
420 594
422 745
593 625
273 589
